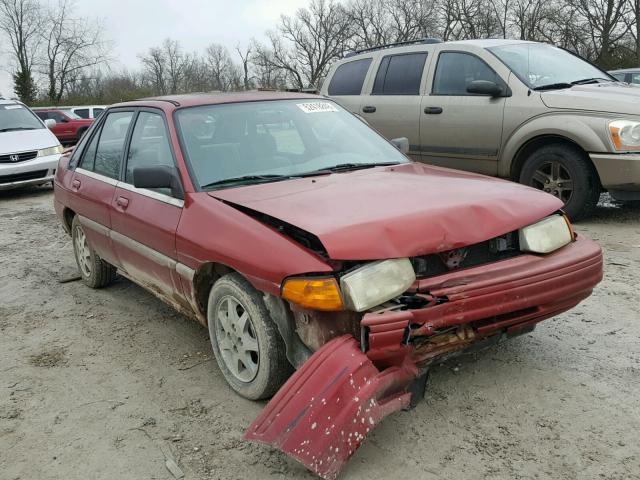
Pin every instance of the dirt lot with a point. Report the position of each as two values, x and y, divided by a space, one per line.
109 384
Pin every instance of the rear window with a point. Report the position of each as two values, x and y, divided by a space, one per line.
400 74
349 78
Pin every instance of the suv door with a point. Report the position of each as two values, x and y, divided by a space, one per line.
460 129
144 222
94 181
393 106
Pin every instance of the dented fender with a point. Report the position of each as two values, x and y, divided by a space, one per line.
327 408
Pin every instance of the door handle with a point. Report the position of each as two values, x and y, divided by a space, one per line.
122 202
369 109
432 110
75 183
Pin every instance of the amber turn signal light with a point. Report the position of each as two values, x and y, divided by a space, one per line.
313 293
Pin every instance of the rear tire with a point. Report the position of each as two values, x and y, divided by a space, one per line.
246 343
563 171
95 272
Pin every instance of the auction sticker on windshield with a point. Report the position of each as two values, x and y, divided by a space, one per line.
317 107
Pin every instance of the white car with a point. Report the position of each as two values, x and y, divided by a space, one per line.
29 152
88 111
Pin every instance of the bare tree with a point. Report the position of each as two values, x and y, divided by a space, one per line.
245 60
153 63
222 70
71 45
305 45
166 66
21 23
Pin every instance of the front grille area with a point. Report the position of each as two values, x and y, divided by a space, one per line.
20 177
496 249
18 157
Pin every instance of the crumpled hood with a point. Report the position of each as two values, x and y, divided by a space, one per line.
401 211
24 140
598 97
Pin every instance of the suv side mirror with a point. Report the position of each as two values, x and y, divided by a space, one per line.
160 176
401 144
49 122
485 87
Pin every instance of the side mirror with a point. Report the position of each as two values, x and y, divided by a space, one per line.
401 144
485 87
161 176
49 123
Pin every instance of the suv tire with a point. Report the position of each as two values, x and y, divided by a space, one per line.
563 171
95 272
246 343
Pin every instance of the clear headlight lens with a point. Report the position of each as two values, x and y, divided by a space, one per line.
547 235
376 282
625 135
45 152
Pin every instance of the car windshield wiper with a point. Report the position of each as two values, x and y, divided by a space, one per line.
554 86
343 167
585 81
13 129
247 179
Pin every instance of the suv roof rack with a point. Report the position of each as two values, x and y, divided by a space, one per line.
420 41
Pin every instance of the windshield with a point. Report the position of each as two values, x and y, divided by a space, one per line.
539 65
14 116
266 141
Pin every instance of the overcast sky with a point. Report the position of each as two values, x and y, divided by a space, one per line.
135 25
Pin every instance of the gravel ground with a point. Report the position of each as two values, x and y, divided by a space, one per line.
113 384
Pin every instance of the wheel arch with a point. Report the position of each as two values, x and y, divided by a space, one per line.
528 147
203 279
67 219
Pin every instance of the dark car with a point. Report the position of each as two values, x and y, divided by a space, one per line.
304 240
69 127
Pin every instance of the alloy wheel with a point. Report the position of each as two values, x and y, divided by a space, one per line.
237 340
554 178
83 253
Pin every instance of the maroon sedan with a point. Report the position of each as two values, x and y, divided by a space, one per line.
306 241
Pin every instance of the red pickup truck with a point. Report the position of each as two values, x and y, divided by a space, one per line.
69 127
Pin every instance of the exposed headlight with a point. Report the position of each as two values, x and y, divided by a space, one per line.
547 235
45 152
625 135
376 282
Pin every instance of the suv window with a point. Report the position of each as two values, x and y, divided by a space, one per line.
400 74
82 112
58 117
110 144
349 77
455 70
149 144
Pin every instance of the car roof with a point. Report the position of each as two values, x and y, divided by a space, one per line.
9 102
172 102
489 42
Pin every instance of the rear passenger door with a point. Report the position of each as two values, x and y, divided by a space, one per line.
393 105
144 222
459 129
345 86
95 178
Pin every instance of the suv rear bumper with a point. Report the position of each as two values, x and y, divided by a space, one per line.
507 297
618 171
32 172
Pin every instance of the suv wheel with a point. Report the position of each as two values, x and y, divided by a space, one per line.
95 272
563 171
248 348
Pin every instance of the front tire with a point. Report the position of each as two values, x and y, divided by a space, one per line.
248 348
563 171
95 272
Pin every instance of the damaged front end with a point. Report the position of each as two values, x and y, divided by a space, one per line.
372 361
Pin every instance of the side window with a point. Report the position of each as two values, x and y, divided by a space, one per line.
400 74
57 116
110 148
149 144
456 70
635 78
89 153
349 77
42 115
82 112
97 112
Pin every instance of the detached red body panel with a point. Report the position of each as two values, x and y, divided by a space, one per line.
326 409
